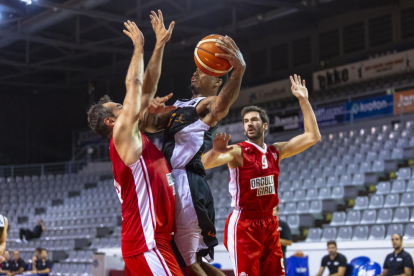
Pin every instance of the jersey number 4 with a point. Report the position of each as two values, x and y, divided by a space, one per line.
264 162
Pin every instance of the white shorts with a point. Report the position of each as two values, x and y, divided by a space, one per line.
188 238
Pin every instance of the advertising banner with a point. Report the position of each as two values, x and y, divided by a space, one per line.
404 102
328 116
370 107
363 70
285 122
263 93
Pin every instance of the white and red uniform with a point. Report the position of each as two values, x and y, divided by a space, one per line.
146 192
251 233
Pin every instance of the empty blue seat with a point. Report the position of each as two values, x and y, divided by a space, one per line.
397 153
383 188
404 173
345 233
302 207
398 186
371 156
369 217
333 181
377 232
378 166
345 179
376 202
325 193
361 202
329 234
407 199
338 218
358 179
300 195
353 217
401 214
365 167
320 182
314 235
394 229
410 185
384 216
308 183
290 208
337 192
312 194
409 231
339 170
391 201
360 233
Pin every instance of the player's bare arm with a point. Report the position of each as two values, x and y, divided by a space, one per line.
3 237
220 105
222 154
126 136
149 118
321 270
311 135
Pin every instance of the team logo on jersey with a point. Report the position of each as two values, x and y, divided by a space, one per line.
211 234
275 155
264 185
180 119
243 274
118 190
170 180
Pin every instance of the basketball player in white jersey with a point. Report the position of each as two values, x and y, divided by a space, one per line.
3 233
188 132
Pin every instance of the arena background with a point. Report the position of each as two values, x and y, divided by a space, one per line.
357 56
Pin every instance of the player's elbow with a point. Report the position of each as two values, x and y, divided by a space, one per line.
133 81
314 138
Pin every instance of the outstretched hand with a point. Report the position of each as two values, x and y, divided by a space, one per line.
233 54
134 34
299 89
157 22
221 143
157 105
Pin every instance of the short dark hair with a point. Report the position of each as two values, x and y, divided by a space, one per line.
398 235
277 208
97 115
253 108
39 249
44 249
330 243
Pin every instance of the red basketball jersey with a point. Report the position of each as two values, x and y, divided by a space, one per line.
146 192
253 187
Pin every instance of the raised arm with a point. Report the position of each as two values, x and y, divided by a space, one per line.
126 136
3 236
152 73
219 107
222 154
311 135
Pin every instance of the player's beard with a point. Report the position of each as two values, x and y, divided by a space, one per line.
257 135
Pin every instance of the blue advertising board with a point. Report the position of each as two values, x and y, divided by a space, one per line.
371 107
327 116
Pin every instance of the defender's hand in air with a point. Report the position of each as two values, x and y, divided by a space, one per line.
157 105
299 87
233 54
157 22
134 34
221 143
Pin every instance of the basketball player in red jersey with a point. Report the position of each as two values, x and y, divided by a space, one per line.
142 176
251 233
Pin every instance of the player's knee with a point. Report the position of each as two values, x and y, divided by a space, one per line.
194 270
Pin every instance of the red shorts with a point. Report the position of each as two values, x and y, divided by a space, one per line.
252 239
158 261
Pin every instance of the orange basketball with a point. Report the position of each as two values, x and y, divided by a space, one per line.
205 59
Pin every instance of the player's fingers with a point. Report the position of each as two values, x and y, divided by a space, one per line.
304 83
165 98
231 41
135 26
155 16
296 80
126 24
224 48
228 138
230 148
160 16
127 33
169 108
299 80
292 81
225 56
171 27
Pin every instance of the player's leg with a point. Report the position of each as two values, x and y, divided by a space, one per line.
187 240
168 257
271 262
149 263
211 270
243 241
